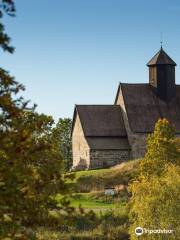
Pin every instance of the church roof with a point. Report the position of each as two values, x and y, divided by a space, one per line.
110 143
161 58
144 108
101 120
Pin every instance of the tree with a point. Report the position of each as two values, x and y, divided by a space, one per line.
8 7
155 193
62 133
162 148
30 160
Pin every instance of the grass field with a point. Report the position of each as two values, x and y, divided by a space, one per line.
123 167
109 219
87 187
88 202
79 174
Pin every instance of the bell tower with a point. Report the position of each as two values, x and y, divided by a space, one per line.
162 75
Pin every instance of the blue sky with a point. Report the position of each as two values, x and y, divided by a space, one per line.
77 51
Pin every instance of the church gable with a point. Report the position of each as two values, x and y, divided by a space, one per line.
101 120
144 108
79 144
101 125
102 128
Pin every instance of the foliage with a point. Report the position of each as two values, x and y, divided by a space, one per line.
30 160
62 133
87 225
162 148
156 191
8 7
115 233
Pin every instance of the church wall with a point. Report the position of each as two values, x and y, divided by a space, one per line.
80 148
137 141
107 158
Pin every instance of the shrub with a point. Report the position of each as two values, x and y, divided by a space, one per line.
156 191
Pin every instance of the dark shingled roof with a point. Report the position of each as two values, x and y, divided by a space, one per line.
144 108
101 120
110 143
161 58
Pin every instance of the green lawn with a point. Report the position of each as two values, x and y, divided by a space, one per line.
126 166
93 172
86 173
87 187
86 201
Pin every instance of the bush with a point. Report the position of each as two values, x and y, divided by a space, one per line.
88 225
156 191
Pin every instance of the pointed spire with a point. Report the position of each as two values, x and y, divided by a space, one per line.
161 58
162 75
161 40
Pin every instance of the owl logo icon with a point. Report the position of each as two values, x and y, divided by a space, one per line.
139 231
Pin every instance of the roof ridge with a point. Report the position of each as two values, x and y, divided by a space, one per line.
135 83
96 105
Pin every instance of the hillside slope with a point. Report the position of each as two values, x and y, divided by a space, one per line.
88 187
98 180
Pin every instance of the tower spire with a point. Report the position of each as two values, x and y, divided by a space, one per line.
161 40
162 75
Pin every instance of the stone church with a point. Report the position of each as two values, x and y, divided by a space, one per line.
106 135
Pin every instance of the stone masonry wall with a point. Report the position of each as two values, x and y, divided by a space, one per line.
80 148
137 141
107 158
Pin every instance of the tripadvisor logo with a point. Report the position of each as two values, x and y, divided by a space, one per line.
139 231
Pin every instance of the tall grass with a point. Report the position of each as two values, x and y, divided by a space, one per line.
97 180
106 226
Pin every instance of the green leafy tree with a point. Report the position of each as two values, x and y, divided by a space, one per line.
30 160
155 192
162 148
62 133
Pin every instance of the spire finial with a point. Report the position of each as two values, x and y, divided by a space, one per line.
161 40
